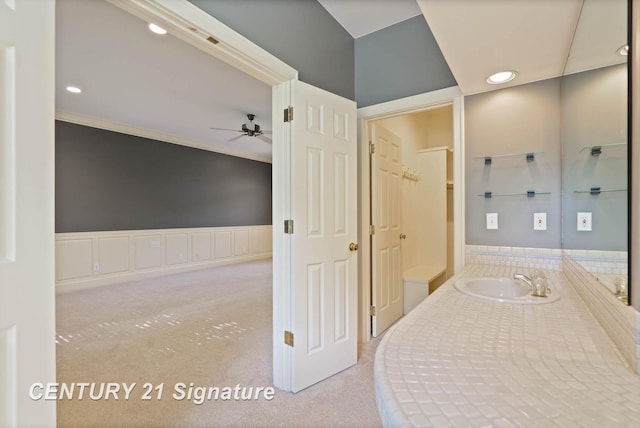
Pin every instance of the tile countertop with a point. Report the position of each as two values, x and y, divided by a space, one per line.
456 360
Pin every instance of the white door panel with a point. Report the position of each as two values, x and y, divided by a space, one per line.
27 320
324 212
386 202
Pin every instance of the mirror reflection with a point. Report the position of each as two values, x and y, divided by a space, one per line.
594 144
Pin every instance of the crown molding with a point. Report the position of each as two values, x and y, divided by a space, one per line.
123 128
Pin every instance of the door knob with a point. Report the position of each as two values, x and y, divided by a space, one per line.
353 246
403 236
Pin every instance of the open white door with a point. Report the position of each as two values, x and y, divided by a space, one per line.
324 209
27 311
386 203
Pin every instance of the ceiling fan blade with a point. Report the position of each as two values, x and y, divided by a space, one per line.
266 132
263 138
226 129
238 137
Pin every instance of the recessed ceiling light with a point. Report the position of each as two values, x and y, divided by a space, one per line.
501 77
73 89
157 29
624 50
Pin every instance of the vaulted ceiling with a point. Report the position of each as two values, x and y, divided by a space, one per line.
132 77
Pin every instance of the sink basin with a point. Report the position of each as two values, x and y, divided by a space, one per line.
505 290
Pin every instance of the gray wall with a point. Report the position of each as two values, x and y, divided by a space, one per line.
399 61
395 62
519 119
594 112
111 181
299 32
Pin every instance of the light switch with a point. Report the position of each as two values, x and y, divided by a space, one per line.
539 221
584 222
492 221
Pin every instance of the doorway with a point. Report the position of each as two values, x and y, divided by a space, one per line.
409 117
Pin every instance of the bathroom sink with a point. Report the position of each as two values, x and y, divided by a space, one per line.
505 290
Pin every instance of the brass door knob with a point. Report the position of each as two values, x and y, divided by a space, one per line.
353 246
403 236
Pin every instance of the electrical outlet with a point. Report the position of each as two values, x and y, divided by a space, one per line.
492 221
584 222
539 221
96 267
155 244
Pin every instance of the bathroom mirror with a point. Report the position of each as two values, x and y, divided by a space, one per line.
594 136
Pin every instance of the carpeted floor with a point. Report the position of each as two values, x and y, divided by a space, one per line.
211 327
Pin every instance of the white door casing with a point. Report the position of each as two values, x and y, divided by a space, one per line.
386 215
27 304
388 109
324 210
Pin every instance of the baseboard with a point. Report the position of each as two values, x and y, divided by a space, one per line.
135 276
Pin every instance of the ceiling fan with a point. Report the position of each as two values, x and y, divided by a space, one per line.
249 129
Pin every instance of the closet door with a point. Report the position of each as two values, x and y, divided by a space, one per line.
386 203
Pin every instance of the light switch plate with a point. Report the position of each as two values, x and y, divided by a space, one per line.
492 221
539 221
584 222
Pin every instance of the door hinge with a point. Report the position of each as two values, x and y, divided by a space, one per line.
288 226
372 230
372 311
288 114
288 338
372 148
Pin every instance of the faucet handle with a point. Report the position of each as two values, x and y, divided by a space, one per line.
540 287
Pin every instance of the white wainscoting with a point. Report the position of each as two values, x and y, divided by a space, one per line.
87 259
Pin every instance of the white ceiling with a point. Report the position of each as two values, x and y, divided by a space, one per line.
157 83
362 17
532 37
131 76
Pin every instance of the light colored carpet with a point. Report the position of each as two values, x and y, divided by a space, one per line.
211 327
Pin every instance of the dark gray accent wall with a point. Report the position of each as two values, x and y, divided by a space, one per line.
111 181
399 61
299 32
594 113
513 120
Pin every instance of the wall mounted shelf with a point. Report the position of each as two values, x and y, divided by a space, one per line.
528 193
597 150
529 156
598 190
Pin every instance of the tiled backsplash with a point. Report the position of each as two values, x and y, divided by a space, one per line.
601 262
516 257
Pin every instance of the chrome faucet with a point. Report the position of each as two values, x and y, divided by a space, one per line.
538 286
524 278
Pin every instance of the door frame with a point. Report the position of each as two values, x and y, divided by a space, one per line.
427 101
196 27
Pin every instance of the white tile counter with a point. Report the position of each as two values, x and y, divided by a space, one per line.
456 360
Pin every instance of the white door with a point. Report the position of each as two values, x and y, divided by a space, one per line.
27 317
324 205
386 203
